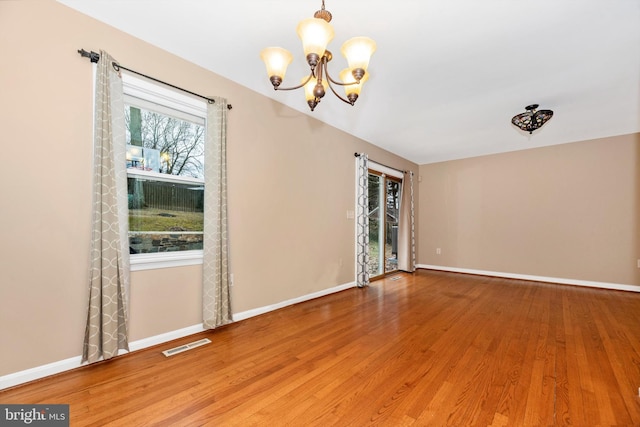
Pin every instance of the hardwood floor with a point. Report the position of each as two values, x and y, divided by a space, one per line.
429 349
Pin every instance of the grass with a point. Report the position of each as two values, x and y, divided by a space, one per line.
150 219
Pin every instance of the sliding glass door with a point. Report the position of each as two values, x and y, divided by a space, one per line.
384 204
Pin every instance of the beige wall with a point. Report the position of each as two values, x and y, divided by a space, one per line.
291 182
570 211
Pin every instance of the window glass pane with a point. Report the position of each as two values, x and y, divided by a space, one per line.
384 211
164 216
391 221
165 144
375 230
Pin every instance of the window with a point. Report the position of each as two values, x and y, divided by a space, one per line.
165 175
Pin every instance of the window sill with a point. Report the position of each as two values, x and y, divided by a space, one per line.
165 260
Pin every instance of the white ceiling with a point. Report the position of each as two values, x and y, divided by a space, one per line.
448 75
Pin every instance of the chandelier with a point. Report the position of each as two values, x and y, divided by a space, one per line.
532 119
316 33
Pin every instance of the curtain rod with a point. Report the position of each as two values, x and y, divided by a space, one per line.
382 164
95 57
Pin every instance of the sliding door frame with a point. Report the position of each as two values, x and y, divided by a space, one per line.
382 227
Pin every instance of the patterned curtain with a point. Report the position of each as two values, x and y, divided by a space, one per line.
216 298
362 218
106 329
406 231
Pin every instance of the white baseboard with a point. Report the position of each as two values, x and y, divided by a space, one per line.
588 283
261 310
49 369
38 372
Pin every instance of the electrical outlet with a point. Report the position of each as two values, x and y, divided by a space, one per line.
231 279
639 263
438 251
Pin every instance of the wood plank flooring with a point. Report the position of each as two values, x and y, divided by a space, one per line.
429 349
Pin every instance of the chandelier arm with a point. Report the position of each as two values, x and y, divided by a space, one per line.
336 93
326 71
312 74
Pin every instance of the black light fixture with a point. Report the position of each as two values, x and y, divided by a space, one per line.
532 119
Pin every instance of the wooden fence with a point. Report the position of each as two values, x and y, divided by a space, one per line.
163 195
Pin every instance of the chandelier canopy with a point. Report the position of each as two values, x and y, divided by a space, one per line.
316 33
532 119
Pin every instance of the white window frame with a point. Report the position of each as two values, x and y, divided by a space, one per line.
155 97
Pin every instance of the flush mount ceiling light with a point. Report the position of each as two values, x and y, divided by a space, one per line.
532 119
316 33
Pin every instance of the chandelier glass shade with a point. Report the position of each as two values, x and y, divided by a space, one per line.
316 33
310 90
532 118
351 88
276 60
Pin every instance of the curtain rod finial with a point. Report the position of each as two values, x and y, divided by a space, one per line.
93 56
